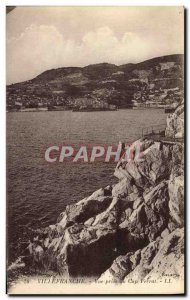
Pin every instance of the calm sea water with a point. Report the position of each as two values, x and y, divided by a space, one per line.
37 192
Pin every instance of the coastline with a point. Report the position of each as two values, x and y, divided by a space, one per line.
133 228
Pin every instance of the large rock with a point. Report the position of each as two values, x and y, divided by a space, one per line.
89 250
176 185
176 202
122 265
155 165
175 123
86 208
162 257
152 216
178 160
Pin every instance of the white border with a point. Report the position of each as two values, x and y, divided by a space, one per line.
3 3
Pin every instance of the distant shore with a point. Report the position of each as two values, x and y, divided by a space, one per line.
45 109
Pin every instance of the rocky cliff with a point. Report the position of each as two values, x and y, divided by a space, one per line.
134 228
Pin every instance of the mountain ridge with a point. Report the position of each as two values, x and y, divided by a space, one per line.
176 57
100 84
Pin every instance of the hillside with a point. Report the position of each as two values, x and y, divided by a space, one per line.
158 80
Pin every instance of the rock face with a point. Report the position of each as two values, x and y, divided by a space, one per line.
132 228
175 123
162 256
176 185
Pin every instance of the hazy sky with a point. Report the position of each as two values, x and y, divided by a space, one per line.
42 38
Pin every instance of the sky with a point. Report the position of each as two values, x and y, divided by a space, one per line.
43 38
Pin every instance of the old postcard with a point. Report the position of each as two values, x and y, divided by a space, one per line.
95 150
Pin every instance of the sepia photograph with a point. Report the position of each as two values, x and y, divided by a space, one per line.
95 150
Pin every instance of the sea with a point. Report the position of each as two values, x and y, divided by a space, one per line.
38 191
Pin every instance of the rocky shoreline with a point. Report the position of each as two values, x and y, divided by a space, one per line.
134 228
